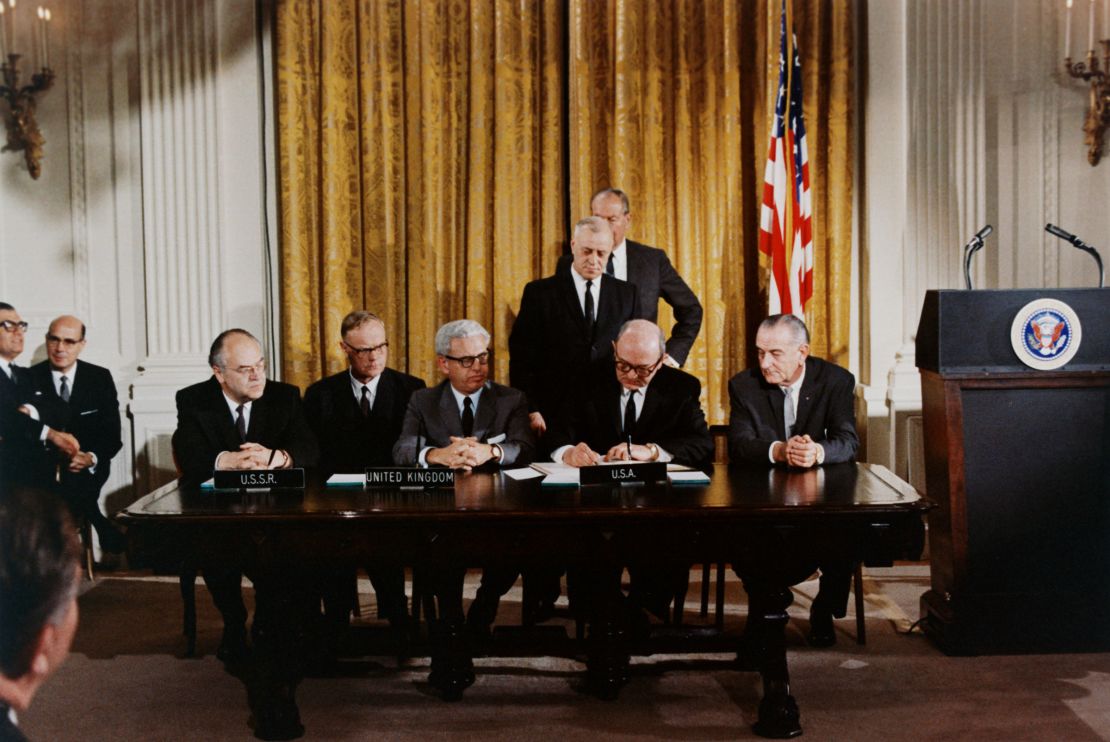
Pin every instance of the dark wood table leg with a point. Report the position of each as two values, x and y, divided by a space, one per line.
778 712
608 656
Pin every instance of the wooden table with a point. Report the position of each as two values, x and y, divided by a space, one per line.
772 525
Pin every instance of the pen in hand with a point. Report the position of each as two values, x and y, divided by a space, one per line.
270 461
629 440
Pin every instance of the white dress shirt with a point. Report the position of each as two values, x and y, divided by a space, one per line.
371 388
580 287
620 261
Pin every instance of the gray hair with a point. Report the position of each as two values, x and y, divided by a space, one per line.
797 327
357 319
594 224
460 328
216 352
633 323
625 205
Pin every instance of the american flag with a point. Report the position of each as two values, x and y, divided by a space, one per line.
786 219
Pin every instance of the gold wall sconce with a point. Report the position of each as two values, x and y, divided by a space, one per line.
1096 74
23 130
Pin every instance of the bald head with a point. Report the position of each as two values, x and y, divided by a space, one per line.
639 351
65 339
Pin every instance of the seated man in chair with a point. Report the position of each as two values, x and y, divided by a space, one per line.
796 410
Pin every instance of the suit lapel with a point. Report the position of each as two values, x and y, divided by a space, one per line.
256 428
634 267
811 389
449 411
570 299
487 411
654 400
383 398
608 401
776 403
607 307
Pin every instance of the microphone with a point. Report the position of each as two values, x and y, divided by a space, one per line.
974 245
1080 244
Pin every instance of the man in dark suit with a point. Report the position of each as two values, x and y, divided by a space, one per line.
24 437
82 400
238 420
357 415
39 577
465 423
645 411
567 321
796 411
651 271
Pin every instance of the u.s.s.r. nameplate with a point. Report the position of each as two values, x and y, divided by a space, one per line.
236 479
400 476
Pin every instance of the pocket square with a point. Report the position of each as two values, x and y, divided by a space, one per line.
496 438
88 412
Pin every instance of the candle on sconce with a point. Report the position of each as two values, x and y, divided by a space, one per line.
1067 31
1091 27
38 38
46 38
11 25
1106 20
3 35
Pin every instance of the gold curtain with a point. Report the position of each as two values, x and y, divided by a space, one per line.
416 142
428 169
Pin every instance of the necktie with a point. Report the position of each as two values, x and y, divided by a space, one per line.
589 306
364 403
610 269
467 417
630 413
241 424
788 415
63 391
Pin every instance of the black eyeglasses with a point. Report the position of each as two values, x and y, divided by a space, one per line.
642 371
10 326
468 361
365 352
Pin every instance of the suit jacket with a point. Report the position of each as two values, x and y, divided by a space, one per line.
824 413
205 427
23 458
348 441
433 417
92 416
650 270
549 344
671 417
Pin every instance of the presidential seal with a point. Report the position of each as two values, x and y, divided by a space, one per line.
1045 334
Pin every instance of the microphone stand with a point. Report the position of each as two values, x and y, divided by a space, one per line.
1080 244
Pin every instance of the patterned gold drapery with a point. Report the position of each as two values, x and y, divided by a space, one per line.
433 154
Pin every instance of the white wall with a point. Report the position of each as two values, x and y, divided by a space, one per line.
968 120
148 219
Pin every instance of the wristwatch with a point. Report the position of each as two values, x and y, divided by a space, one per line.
497 452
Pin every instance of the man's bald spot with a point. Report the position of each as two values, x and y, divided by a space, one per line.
641 334
67 319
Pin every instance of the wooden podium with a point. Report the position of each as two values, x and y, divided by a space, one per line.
1018 461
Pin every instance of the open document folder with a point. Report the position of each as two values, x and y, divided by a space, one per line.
562 475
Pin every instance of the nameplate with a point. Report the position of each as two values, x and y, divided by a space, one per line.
401 476
654 471
236 479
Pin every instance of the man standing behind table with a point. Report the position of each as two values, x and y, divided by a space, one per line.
796 410
237 419
80 398
567 321
645 411
465 423
23 435
357 415
39 576
650 270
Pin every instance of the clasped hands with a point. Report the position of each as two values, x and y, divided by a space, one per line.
799 451
253 456
583 455
461 453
